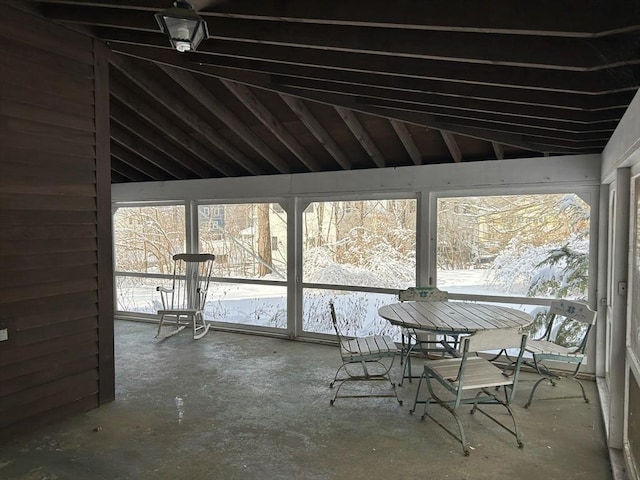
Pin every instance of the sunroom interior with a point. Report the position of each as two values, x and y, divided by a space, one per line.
321 153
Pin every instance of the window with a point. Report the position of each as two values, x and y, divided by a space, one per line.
145 238
514 245
368 243
244 234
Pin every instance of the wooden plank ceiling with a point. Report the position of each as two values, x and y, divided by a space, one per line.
302 85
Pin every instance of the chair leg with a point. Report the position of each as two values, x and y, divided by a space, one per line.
178 329
203 328
160 325
546 374
366 376
516 429
461 437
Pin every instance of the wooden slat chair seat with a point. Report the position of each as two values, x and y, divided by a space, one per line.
562 314
471 379
372 357
545 347
367 348
415 341
184 301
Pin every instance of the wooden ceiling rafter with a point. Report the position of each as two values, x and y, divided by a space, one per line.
269 120
168 100
141 147
407 141
306 80
157 140
318 131
207 99
193 148
350 119
452 145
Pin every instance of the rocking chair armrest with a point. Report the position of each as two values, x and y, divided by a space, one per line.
164 289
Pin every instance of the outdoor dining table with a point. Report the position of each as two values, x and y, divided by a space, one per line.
450 318
453 318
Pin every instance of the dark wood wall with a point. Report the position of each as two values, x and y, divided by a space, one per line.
56 287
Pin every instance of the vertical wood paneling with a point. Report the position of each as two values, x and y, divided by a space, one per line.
104 220
56 287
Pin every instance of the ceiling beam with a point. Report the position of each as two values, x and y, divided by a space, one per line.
405 137
126 172
169 128
585 91
300 109
534 108
350 119
568 18
452 145
517 138
134 162
269 120
215 106
139 146
170 101
291 61
156 140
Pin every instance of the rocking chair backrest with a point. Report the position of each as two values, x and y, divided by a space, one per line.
191 276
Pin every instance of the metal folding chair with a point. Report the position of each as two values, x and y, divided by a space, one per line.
371 357
471 379
185 300
564 341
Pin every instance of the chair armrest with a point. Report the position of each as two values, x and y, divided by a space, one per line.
164 289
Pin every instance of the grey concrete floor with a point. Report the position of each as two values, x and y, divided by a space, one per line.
233 406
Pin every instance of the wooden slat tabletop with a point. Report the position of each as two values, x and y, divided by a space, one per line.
453 317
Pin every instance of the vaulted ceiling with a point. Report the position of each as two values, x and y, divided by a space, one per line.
305 85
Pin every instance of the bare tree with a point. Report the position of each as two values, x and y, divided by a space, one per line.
264 239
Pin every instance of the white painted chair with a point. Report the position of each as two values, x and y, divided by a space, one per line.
471 379
184 301
363 359
564 341
413 340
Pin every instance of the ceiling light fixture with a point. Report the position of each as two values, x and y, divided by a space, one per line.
184 27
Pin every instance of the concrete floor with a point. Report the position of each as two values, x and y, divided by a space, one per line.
234 406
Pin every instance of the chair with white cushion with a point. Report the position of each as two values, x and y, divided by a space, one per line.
564 341
473 380
363 359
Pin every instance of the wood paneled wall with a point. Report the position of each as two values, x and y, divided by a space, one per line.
56 287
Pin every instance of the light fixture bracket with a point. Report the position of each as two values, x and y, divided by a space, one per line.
183 26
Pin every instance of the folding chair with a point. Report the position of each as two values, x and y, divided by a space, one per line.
187 295
372 357
461 377
413 340
564 341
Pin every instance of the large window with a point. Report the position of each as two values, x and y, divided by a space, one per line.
145 238
364 243
514 245
249 241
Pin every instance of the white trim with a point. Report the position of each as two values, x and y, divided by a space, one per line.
533 172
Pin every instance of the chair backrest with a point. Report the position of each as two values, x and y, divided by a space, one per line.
334 321
191 277
569 324
423 294
494 339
